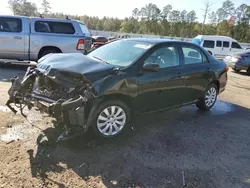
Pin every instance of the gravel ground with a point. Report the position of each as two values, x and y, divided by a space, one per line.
208 149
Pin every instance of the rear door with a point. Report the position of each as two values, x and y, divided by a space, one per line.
12 38
218 49
197 72
225 48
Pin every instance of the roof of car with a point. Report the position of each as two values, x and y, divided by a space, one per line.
154 40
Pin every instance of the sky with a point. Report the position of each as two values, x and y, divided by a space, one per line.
120 8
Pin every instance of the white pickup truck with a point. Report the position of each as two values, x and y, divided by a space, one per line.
25 38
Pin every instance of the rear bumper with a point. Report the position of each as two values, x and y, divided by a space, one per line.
236 65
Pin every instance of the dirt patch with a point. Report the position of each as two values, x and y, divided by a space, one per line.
211 149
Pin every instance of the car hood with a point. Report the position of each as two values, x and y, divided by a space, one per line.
74 63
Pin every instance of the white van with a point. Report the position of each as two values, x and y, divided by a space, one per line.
218 46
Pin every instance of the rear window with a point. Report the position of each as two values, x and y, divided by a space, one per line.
12 25
54 27
84 29
208 44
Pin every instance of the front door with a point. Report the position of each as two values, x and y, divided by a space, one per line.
197 72
162 89
12 38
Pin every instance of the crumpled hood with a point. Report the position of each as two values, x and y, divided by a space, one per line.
71 62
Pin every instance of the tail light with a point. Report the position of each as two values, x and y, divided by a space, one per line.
80 44
226 69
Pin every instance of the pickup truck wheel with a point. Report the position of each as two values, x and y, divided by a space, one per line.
110 118
48 51
209 98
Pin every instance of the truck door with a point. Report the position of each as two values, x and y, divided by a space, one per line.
12 38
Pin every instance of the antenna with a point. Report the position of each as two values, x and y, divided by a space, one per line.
67 17
41 16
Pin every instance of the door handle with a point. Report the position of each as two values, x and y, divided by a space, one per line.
17 37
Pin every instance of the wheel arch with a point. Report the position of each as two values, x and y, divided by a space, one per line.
48 48
217 83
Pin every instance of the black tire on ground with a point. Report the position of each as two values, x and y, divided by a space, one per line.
236 70
100 109
201 104
48 51
248 71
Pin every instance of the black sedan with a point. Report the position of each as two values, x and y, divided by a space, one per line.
106 88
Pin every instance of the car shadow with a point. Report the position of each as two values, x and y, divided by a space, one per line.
206 149
243 73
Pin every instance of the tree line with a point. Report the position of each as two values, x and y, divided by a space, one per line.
228 20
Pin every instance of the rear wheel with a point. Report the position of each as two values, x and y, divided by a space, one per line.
110 118
48 51
248 71
209 98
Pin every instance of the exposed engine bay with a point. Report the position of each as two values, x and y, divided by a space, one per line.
64 96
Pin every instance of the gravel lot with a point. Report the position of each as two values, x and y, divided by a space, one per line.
208 149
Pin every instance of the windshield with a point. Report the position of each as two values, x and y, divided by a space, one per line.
120 52
84 29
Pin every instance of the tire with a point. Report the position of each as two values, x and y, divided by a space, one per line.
205 105
99 118
48 51
236 70
248 71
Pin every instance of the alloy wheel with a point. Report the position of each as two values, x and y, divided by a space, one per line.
111 120
210 96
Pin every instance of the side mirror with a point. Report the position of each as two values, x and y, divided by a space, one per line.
152 67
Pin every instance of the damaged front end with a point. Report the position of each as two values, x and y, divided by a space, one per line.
63 95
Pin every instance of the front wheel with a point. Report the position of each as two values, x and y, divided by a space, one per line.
209 98
110 118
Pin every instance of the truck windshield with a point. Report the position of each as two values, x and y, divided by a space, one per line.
84 29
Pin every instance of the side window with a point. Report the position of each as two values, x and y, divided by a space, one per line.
54 27
218 43
236 45
192 55
225 44
208 44
165 57
12 25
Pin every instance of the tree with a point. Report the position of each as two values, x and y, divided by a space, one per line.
212 18
183 21
23 8
206 11
227 9
150 13
166 11
135 13
174 17
191 18
46 7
